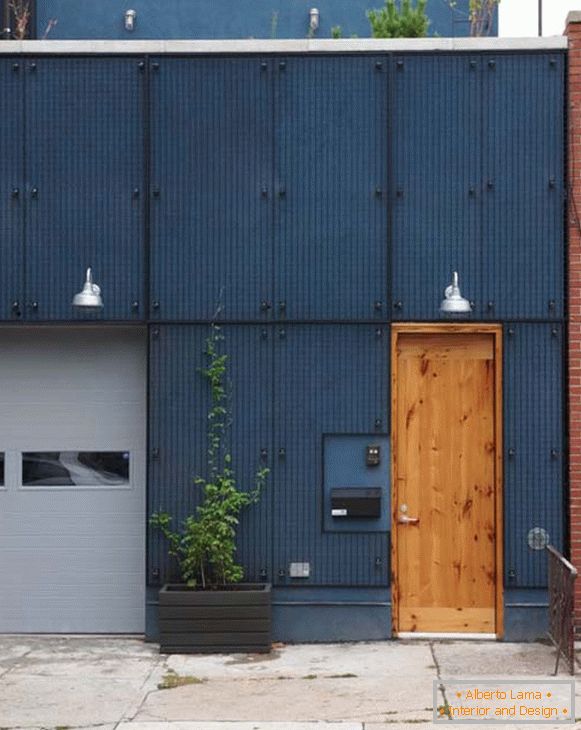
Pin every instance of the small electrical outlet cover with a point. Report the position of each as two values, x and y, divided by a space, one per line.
299 570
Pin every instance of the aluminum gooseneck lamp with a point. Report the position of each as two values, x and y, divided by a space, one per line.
129 20
90 295
454 302
314 19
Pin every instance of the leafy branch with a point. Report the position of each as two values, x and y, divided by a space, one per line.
482 16
21 14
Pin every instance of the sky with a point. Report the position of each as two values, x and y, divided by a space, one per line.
520 17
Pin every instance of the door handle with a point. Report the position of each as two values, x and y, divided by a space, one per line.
405 520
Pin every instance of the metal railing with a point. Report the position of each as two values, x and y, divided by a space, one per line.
562 577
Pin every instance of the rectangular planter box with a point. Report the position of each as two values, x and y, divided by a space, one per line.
234 620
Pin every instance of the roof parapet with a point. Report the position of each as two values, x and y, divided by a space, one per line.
305 46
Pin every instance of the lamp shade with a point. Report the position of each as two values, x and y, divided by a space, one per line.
90 295
454 302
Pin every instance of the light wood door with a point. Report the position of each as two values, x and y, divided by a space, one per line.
445 509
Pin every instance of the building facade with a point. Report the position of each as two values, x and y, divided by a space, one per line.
313 198
203 19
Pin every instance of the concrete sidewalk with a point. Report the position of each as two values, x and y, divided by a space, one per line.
75 682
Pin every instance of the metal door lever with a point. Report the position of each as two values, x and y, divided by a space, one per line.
405 520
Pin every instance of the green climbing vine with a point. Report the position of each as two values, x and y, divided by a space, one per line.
205 546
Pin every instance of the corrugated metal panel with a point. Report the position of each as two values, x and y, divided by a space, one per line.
328 379
478 173
437 112
84 157
178 404
250 368
179 401
331 181
212 187
523 210
533 447
11 176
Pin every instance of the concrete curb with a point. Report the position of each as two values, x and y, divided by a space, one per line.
318 725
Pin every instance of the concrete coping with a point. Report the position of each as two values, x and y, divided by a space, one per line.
354 45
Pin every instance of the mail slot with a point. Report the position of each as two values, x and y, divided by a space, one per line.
356 502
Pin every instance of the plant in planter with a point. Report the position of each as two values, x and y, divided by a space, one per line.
212 611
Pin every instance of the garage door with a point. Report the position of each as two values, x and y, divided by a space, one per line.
72 479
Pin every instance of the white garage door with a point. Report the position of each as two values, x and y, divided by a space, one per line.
72 492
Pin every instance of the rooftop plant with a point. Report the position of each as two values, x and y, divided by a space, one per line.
399 20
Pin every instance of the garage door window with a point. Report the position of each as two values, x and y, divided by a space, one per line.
75 469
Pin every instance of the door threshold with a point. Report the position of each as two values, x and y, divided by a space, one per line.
442 635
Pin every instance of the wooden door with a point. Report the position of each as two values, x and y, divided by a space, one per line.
446 479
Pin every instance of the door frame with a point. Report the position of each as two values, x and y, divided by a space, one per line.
452 328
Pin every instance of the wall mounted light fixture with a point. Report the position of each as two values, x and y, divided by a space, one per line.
314 18
454 302
129 20
90 295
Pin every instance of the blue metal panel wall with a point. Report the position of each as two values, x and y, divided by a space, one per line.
84 146
251 369
331 181
11 176
479 177
212 187
328 378
331 614
178 404
533 447
179 401
437 160
228 18
524 184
